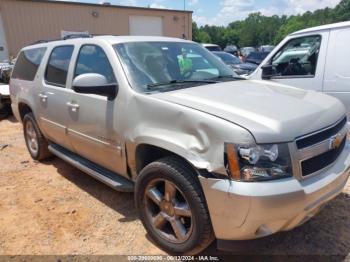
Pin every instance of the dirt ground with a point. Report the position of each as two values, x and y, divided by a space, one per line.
52 208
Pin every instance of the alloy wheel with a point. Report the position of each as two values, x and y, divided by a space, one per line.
32 138
168 211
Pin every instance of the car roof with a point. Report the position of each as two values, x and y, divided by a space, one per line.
209 45
107 39
220 52
322 27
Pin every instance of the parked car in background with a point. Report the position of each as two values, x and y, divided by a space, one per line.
247 50
212 47
232 49
5 101
228 58
315 59
235 63
206 154
266 48
244 68
256 57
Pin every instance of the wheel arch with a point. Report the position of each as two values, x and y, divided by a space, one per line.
23 109
146 152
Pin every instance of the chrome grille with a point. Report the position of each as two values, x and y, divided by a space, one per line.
317 151
313 139
320 162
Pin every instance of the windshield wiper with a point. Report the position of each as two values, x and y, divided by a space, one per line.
206 81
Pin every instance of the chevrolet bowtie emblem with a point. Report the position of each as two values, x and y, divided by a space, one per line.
335 141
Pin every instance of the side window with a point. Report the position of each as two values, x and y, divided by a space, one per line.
57 67
298 57
27 64
92 59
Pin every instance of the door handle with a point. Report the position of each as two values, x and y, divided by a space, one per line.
73 106
43 97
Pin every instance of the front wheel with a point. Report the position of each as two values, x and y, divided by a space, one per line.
172 207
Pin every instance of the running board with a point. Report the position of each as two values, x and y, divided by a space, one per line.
107 177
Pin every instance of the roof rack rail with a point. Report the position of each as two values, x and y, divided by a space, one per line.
103 35
42 41
73 36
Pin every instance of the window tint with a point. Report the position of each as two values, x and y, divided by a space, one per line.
92 59
298 57
57 67
28 63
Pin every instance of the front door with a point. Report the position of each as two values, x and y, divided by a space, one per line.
300 62
93 128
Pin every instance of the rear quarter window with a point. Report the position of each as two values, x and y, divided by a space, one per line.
27 64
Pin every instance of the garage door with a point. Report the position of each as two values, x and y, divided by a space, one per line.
3 46
145 25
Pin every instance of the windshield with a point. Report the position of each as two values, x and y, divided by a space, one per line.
176 64
228 58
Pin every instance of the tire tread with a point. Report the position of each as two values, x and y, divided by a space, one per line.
190 181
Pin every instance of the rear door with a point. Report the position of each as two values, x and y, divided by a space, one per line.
54 96
337 73
94 124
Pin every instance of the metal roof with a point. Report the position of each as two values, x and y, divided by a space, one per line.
108 6
322 27
111 39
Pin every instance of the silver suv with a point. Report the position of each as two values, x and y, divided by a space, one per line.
208 154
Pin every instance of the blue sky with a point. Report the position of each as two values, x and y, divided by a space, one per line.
222 12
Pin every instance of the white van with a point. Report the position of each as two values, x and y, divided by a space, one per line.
316 59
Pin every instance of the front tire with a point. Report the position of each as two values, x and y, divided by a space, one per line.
172 207
37 144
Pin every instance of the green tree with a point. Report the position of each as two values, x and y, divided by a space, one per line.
258 29
203 37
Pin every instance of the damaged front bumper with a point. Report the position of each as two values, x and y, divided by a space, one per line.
242 211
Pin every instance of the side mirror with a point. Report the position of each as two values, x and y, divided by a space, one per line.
267 71
95 84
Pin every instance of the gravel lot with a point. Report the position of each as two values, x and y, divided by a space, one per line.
52 208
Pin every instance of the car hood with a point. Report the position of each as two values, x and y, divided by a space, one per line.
271 112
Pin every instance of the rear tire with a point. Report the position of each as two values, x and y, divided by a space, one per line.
172 207
37 144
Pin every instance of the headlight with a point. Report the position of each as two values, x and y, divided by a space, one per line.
258 162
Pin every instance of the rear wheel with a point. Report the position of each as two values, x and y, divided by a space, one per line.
172 207
36 143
